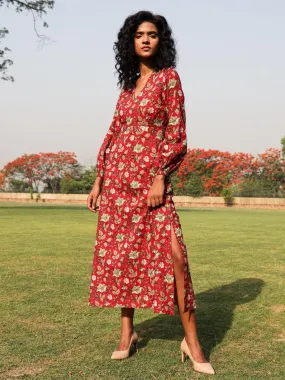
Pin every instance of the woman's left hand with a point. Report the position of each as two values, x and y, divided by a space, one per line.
156 192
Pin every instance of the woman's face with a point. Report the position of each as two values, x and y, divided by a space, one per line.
146 40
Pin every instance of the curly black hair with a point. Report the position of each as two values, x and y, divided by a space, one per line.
127 62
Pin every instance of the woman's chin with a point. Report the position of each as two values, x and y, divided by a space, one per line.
145 55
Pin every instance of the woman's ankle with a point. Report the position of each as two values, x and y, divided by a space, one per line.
193 340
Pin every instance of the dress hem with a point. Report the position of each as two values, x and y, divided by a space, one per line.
175 312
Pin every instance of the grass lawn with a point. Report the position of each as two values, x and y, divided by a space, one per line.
48 331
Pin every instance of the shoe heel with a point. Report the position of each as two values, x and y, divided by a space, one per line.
183 356
136 344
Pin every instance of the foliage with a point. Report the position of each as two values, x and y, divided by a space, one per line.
259 188
202 173
88 178
16 186
82 185
2 181
228 196
235 189
43 168
283 147
194 187
174 181
218 170
37 8
71 186
271 165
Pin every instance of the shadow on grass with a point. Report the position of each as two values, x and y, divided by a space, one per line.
214 314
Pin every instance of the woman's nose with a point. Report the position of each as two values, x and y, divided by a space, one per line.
145 39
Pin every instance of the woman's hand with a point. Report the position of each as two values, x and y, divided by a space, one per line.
93 196
156 192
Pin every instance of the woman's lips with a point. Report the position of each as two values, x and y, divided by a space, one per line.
145 48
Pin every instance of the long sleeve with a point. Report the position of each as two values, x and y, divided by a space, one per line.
100 165
173 147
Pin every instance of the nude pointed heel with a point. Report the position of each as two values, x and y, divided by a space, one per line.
199 367
126 353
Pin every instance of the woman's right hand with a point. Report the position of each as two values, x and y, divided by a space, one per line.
93 196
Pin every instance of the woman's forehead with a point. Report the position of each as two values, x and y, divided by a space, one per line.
146 26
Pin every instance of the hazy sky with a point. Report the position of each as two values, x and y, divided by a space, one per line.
231 63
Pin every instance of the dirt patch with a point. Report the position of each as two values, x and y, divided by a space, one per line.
278 308
22 371
17 297
36 323
281 336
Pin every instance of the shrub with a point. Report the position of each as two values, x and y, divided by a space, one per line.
228 196
260 188
71 186
18 186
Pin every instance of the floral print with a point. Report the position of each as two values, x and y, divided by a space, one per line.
133 265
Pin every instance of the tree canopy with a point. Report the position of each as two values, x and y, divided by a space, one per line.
37 9
42 168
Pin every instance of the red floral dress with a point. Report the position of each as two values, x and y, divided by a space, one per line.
133 265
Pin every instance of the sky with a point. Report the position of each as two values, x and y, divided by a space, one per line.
231 61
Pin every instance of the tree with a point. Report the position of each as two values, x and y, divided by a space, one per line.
55 166
71 186
194 187
88 178
18 186
2 181
283 147
216 169
24 168
37 8
43 168
82 184
272 170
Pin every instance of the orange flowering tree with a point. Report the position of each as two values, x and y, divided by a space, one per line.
272 165
217 169
272 168
2 181
42 168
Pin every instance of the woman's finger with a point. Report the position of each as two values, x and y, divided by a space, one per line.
90 200
93 205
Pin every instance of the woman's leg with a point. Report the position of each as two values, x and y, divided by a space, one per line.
188 318
127 316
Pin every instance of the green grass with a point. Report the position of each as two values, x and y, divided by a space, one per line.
48 331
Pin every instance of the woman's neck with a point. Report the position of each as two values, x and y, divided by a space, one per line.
145 68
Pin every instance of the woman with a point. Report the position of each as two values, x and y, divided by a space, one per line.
140 259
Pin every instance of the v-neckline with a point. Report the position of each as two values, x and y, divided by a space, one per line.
141 91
